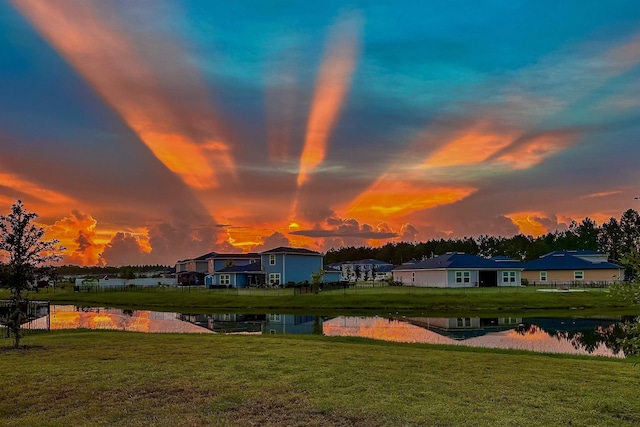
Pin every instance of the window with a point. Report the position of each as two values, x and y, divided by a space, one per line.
413 277
578 275
225 279
274 317
543 276
508 277
274 278
464 322
463 277
272 260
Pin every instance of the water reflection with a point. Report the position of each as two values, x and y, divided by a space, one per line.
72 317
548 335
552 335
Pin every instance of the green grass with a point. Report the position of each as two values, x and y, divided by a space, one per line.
363 300
119 378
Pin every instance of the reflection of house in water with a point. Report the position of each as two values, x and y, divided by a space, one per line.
228 323
292 324
462 328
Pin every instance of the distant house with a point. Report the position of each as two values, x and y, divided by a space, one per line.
568 266
458 270
332 274
364 270
278 266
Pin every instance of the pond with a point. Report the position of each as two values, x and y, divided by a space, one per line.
584 336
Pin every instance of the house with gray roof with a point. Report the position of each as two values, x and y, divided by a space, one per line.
459 270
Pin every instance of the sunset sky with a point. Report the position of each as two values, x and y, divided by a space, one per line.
150 131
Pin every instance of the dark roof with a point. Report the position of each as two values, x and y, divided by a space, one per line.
458 260
385 268
248 268
202 257
574 252
287 250
566 262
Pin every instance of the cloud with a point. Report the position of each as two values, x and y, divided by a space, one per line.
274 240
332 84
168 239
409 233
77 233
21 187
124 249
140 84
392 197
346 228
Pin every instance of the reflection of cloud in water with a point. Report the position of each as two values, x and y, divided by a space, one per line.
70 317
379 328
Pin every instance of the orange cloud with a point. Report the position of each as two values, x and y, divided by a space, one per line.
32 189
536 149
390 198
333 81
114 67
474 146
77 233
528 223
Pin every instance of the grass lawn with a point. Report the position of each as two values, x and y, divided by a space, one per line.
119 378
365 300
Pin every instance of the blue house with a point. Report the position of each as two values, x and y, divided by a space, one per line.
237 276
285 265
278 266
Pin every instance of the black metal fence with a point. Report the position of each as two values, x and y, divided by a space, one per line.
36 317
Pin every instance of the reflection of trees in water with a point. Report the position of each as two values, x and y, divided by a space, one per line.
630 342
588 339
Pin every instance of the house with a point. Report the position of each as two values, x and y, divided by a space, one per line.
192 271
234 270
332 274
458 270
564 267
237 276
364 270
276 266
285 265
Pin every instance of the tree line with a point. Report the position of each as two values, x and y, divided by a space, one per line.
77 270
616 237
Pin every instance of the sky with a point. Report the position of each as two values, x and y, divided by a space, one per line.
151 131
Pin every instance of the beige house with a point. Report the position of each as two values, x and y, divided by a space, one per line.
562 267
458 270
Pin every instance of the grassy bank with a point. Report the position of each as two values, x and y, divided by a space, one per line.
119 378
363 300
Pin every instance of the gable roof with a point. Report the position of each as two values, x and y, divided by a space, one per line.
565 261
288 250
202 257
458 261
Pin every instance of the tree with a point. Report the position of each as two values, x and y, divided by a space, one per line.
316 280
630 291
26 252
